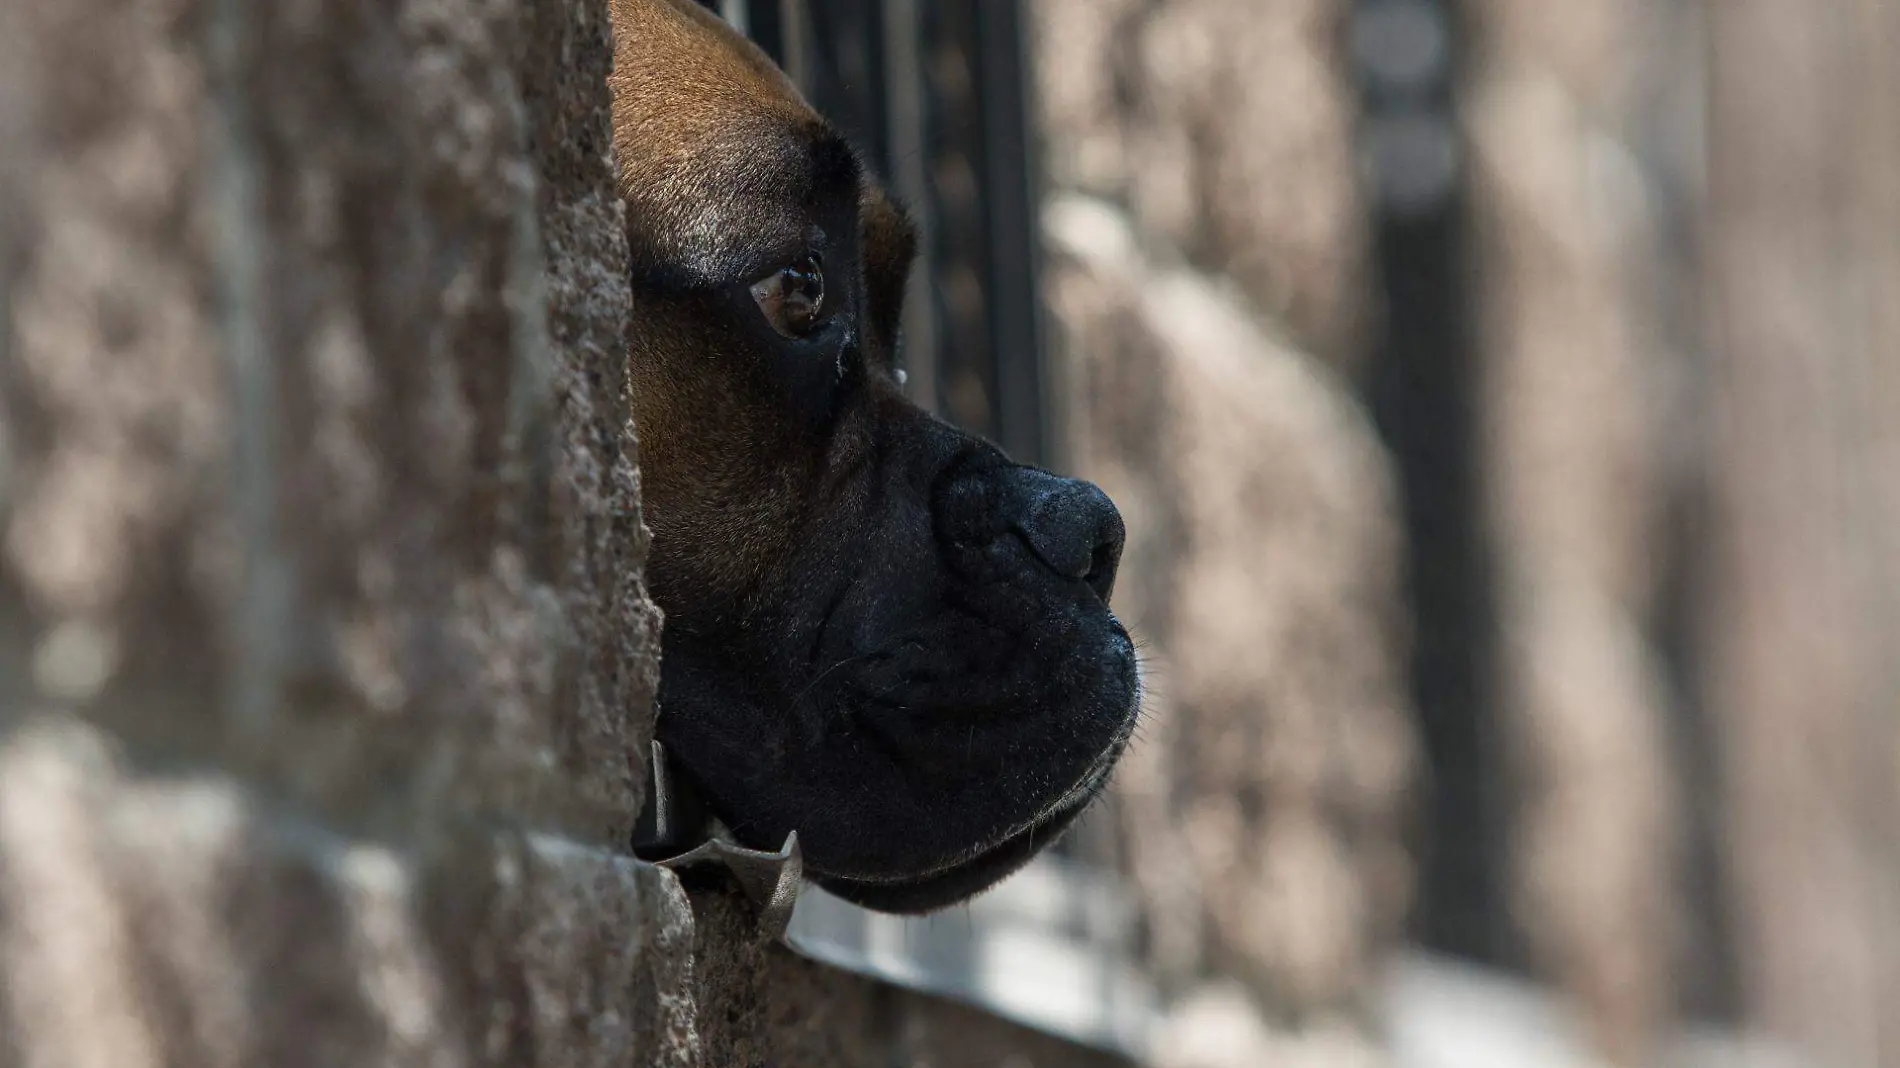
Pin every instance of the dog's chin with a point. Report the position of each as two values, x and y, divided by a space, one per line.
914 805
971 876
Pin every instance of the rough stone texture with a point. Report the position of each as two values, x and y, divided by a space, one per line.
1264 798
323 214
1576 380
566 52
1226 128
321 545
182 920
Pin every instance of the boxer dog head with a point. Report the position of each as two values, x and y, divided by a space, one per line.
880 632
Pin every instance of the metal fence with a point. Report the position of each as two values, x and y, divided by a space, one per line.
936 96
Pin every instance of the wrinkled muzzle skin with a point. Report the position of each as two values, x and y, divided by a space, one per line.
880 632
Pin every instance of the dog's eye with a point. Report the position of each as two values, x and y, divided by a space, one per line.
793 297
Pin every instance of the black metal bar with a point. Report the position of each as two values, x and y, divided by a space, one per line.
1422 387
956 153
846 76
907 174
937 96
765 24
1019 399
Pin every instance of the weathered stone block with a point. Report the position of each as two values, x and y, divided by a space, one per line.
318 464
183 920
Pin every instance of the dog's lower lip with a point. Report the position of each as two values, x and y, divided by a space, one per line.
1077 797
1064 808
1085 788
1053 816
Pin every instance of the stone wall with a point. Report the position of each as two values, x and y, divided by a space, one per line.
308 460
325 641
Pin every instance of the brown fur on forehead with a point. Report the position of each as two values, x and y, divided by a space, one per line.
714 145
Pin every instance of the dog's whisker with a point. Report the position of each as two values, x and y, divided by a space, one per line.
805 690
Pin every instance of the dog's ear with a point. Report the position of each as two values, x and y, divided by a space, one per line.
703 123
889 244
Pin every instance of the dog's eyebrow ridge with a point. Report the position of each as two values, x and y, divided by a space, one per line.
760 214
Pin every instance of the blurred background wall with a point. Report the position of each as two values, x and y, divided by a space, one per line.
1798 613
1612 286
1206 282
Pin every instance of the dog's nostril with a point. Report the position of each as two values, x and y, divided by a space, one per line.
1107 556
1074 528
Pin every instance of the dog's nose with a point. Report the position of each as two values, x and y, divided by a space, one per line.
1073 527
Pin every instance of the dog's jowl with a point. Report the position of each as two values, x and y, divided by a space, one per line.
880 632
